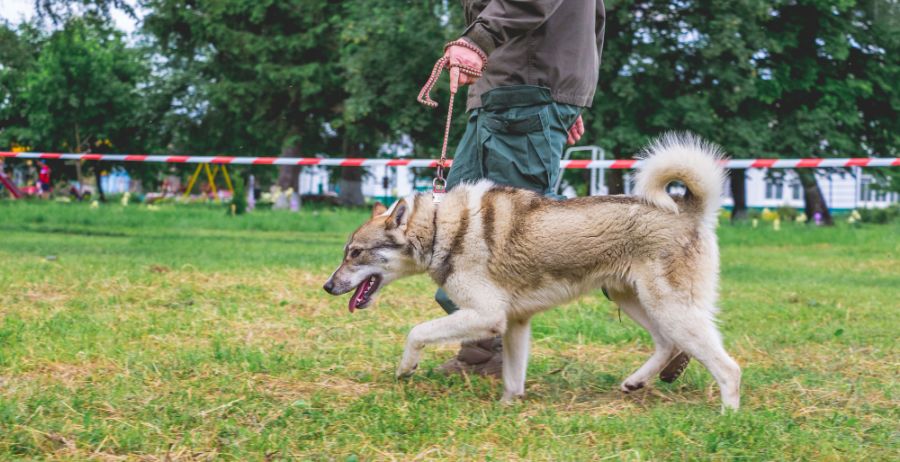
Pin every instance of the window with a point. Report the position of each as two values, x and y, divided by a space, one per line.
865 189
796 190
774 190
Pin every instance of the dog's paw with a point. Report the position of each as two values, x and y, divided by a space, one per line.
405 372
628 386
511 398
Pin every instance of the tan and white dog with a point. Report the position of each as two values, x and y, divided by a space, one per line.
505 254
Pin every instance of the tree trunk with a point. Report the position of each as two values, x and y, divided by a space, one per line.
351 178
615 182
288 180
288 175
814 202
78 163
738 193
80 176
100 196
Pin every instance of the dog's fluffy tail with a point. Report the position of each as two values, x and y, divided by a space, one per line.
686 158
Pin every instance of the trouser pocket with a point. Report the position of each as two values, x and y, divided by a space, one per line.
516 147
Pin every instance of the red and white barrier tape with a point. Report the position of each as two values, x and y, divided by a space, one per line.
350 162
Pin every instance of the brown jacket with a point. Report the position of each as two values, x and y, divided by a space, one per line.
548 43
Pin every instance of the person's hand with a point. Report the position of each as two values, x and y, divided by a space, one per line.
575 131
466 57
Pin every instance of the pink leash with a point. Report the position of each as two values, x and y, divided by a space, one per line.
439 184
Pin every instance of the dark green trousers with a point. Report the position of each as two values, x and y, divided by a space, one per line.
516 138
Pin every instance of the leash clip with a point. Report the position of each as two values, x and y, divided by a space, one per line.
438 189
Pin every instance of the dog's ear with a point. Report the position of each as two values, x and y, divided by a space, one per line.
378 209
399 216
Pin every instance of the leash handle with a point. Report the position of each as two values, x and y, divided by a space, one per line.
425 93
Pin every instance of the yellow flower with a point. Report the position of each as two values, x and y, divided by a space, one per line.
769 215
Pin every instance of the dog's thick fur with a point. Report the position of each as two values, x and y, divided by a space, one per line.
504 254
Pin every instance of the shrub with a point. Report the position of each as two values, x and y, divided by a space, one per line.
880 216
787 213
239 199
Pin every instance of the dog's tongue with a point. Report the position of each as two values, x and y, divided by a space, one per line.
359 296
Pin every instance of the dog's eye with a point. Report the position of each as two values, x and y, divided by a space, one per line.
355 253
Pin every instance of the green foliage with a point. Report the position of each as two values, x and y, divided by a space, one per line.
59 11
262 76
828 77
786 213
18 51
680 66
761 78
880 216
82 94
801 79
387 50
255 76
238 203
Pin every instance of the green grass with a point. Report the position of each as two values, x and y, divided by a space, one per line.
188 334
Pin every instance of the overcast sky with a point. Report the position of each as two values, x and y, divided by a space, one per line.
15 11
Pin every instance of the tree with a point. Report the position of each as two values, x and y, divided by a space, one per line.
83 91
795 78
82 94
324 76
17 57
254 76
680 66
829 79
388 48
60 11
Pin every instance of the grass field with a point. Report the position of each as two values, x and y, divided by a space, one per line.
183 333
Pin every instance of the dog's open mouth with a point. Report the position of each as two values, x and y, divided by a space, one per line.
364 291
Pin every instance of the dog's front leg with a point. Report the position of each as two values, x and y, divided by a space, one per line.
516 343
460 326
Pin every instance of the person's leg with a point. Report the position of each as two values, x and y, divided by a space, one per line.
516 139
481 357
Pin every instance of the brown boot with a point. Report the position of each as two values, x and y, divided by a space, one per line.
676 366
483 357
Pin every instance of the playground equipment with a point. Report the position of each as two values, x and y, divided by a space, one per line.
598 182
211 174
13 190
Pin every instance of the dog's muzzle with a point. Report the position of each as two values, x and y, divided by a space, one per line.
329 287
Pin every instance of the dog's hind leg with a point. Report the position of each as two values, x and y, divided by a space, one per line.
460 326
693 330
516 343
665 349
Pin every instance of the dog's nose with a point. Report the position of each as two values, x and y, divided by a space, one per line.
329 287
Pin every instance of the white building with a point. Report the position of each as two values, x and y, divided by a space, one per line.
843 190
313 180
378 182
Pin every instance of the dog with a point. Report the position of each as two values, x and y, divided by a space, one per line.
504 254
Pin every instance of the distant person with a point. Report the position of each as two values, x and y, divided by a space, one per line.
44 179
31 175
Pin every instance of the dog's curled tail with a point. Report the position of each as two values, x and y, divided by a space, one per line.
686 158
